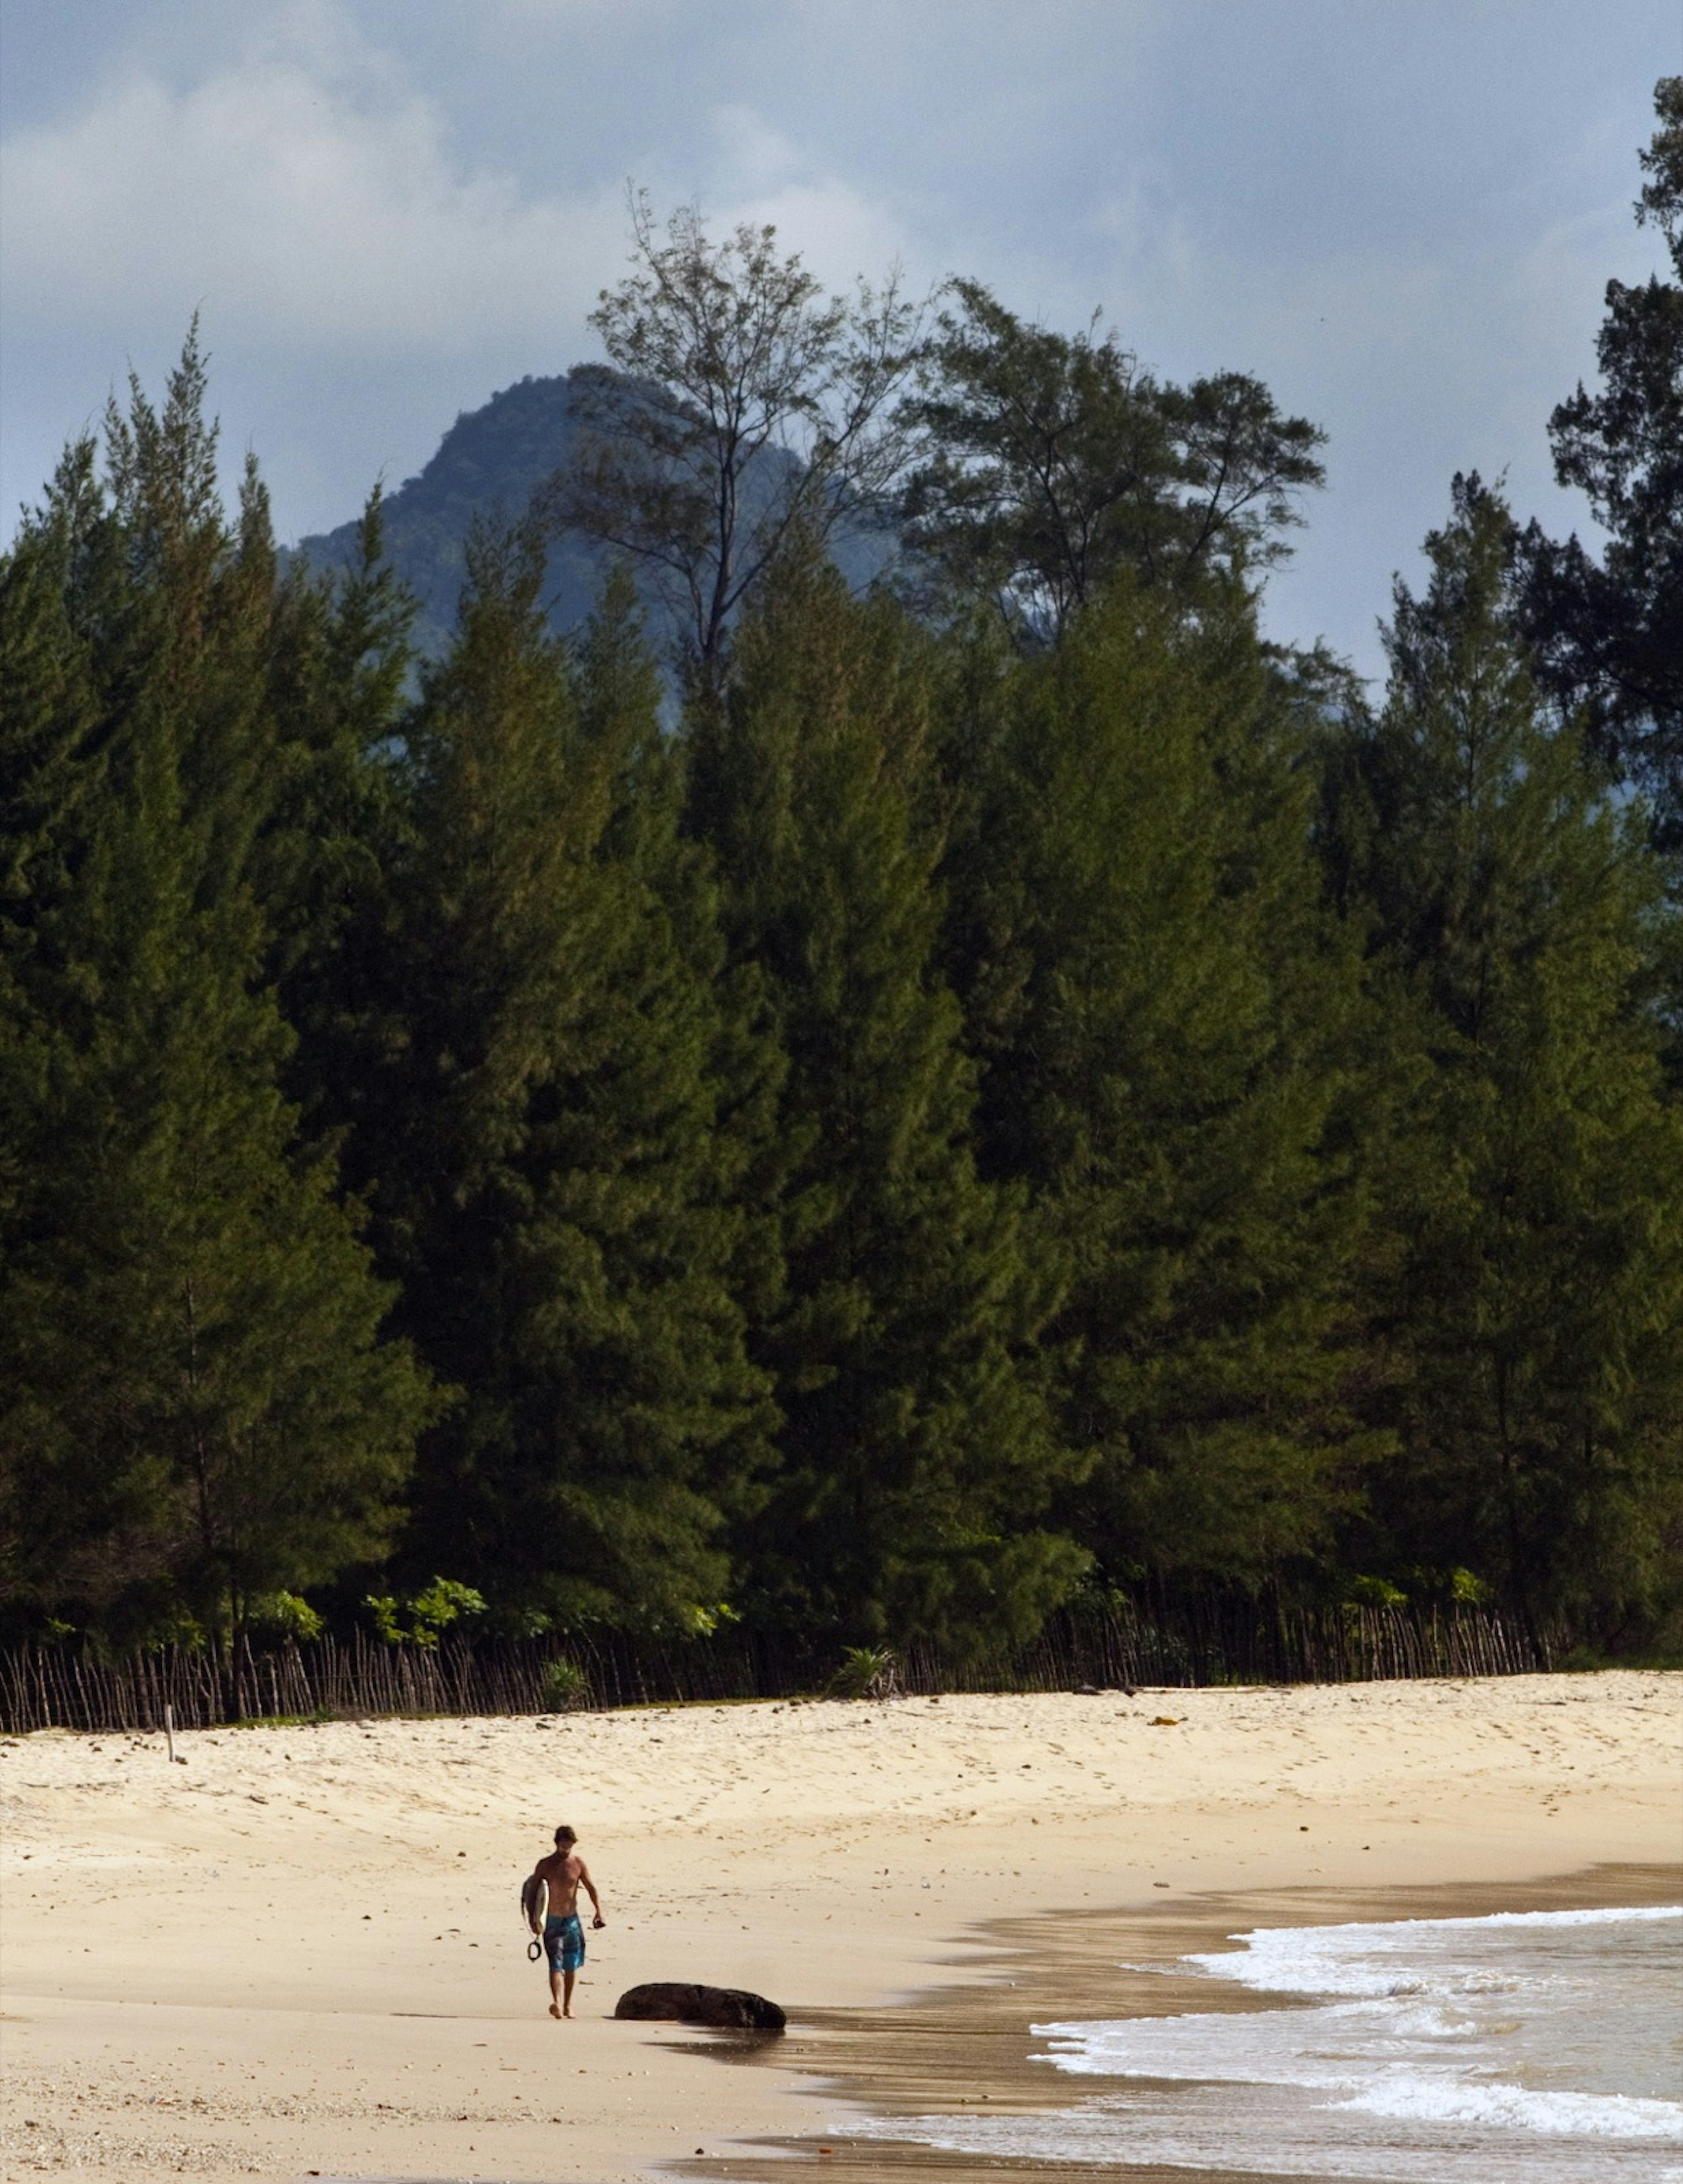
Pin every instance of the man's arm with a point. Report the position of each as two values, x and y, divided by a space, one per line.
589 1887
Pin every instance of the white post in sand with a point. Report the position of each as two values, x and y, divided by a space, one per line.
169 1731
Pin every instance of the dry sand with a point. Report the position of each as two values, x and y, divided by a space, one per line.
300 1950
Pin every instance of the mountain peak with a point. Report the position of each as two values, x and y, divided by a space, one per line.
491 460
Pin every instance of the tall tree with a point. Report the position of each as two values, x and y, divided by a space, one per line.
199 1407
337 826
1537 1300
1045 464
917 1461
745 408
1608 634
555 1188
1167 1019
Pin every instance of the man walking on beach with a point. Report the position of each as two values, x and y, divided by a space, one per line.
566 1872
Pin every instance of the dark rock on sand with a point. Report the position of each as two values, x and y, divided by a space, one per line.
675 2001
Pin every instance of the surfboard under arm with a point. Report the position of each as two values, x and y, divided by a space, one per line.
534 1902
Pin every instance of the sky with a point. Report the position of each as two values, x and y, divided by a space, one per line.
1400 214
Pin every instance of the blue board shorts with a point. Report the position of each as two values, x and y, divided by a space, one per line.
564 1942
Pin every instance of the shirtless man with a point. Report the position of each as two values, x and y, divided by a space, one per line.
566 1872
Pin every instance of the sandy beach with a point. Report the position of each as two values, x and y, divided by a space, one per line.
299 1950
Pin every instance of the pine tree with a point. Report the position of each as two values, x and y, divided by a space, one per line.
199 1407
916 1457
1166 1019
1538 1295
1608 634
554 1187
339 667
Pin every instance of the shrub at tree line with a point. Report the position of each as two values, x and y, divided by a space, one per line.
923 1105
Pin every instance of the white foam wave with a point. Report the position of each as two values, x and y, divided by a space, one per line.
1532 2047
1362 1959
1424 2098
1269 2142
1385 2062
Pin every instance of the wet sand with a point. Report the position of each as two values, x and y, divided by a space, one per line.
968 2048
300 1951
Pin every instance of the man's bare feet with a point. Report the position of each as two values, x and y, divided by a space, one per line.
555 2010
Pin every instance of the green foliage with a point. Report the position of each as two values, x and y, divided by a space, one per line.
1533 1297
1167 1019
442 1603
554 1163
1609 633
337 829
917 1450
866 1672
746 411
566 1686
431 1612
1375 1592
383 1608
1047 466
198 1407
1048 1105
697 1620
286 1613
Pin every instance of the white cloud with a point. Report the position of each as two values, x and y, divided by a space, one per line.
761 176
388 207
568 14
753 156
301 195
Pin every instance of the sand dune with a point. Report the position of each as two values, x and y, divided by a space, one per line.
300 1950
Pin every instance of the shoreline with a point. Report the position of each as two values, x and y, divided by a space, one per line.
971 2046
300 1950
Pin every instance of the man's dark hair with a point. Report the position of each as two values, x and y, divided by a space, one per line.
565 1836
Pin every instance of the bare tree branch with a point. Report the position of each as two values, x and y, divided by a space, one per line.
742 407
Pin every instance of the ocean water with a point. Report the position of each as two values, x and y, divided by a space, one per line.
1530 2047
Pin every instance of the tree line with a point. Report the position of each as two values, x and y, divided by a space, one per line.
917 1109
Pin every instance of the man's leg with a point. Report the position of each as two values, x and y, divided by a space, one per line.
555 2009
567 1979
